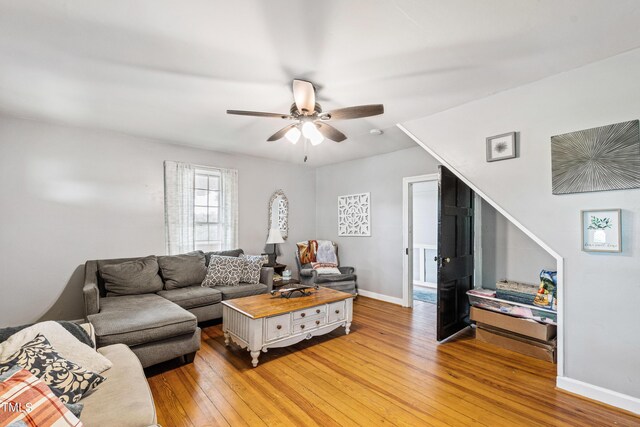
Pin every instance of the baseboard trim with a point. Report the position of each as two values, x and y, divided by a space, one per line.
590 391
381 297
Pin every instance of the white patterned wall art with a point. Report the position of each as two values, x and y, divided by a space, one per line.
354 215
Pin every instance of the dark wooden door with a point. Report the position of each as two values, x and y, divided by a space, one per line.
455 253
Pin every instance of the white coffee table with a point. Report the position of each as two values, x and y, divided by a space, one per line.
260 322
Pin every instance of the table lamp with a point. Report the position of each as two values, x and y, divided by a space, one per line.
274 238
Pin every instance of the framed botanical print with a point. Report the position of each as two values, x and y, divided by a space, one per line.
601 230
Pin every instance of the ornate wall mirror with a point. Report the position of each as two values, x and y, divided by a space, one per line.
279 213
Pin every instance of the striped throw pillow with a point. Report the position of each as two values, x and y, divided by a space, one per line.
27 400
323 268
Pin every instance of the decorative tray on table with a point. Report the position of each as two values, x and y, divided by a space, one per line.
296 291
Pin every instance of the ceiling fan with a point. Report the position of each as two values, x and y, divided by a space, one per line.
309 119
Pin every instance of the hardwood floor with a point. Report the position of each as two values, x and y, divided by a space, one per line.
388 371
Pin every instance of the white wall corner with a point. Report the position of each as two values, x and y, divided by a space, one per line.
610 397
381 297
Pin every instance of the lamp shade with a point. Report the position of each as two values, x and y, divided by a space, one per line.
293 135
274 237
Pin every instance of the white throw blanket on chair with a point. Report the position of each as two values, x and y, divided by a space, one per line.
326 253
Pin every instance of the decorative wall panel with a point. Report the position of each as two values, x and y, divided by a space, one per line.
354 215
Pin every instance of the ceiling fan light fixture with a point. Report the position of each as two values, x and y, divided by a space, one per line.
293 135
311 132
309 120
316 139
308 129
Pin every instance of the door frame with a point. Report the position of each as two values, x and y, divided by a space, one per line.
407 234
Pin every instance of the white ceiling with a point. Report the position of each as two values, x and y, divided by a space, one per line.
169 69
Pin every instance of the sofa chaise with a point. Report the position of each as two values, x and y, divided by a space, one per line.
162 324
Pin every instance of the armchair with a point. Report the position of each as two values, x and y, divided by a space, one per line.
346 281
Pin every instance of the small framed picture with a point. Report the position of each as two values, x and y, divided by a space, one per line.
501 147
601 230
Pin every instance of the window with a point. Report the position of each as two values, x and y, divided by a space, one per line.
206 211
201 208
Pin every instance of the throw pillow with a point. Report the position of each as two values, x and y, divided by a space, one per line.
65 344
132 277
26 400
6 374
307 251
179 271
251 269
223 271
75 408
66 379
323 268
74 329
232 252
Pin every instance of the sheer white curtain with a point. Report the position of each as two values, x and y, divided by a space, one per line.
179 184
229 208
178 207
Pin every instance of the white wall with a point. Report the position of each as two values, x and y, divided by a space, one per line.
378 259
425 212
602 291
71 194
508 253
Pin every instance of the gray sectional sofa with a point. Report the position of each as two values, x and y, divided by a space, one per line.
162 323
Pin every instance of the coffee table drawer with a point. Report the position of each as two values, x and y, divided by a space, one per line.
308 325
278 327
309 312
336 311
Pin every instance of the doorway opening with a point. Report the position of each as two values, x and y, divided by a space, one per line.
424 224
420 198
440 247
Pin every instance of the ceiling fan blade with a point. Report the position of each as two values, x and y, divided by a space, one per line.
305 96
280 134
330 132
356 112
259 114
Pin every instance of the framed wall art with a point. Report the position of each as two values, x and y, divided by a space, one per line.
601 230
501 147
598 159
